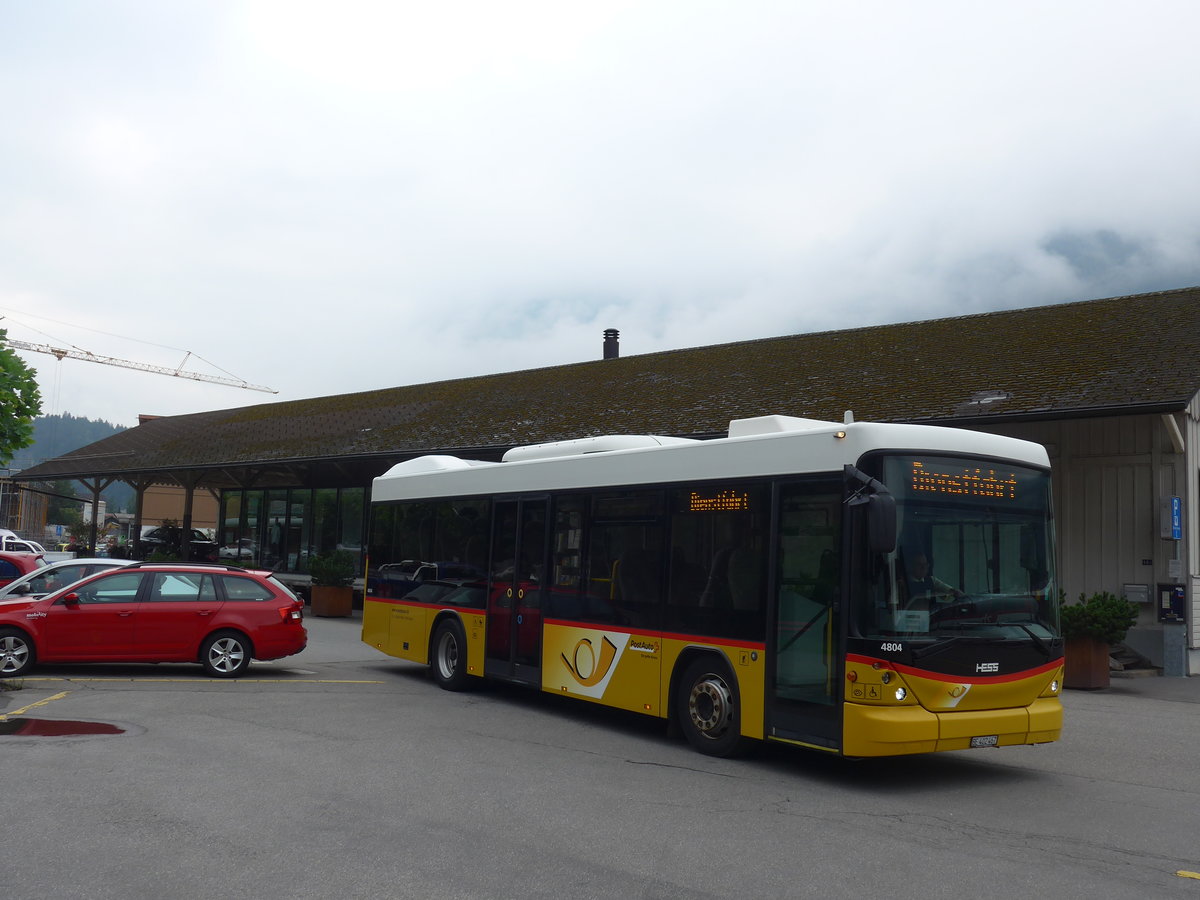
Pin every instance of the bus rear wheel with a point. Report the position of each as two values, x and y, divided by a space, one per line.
450 656
706 705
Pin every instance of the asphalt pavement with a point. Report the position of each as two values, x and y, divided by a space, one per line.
342 772
1156 687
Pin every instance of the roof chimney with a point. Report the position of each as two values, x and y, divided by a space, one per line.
612 344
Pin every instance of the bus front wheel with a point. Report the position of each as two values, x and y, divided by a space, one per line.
450 656
706 706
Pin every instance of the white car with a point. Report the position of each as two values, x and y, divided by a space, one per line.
11 543
240 549
55 575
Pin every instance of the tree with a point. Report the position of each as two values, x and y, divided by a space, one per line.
60 510
20 402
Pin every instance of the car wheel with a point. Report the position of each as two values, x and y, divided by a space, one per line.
706 706
226 654
450 656
16 653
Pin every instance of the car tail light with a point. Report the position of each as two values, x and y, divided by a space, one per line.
287 613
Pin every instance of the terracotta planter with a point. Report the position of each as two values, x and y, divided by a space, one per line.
1086 664
331 602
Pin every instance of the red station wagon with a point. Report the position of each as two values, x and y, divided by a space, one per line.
218 616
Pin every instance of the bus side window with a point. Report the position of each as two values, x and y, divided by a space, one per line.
564 599
637 577
625 558
718 560
625 584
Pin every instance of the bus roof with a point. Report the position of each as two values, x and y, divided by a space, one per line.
763 446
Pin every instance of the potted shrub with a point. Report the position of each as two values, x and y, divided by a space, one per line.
1089 628
332 576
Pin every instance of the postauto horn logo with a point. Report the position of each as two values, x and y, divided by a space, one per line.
592 666
585 669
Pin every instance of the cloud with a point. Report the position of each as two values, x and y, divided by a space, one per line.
335 198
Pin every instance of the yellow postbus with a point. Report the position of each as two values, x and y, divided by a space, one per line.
863 589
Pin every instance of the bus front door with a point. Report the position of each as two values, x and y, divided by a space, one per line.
803 693
515 591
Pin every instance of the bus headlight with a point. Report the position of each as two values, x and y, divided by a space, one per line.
901 693
1054 686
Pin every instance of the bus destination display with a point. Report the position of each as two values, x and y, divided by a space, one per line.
963 482
722 501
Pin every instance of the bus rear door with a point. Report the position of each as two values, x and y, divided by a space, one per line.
515 591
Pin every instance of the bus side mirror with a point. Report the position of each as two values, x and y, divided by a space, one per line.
881 523
880 512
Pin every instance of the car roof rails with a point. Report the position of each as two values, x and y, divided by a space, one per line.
177 564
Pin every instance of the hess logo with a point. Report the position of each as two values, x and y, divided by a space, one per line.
987 668
585 667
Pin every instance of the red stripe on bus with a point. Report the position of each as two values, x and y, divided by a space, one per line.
956 679
662 635
591 626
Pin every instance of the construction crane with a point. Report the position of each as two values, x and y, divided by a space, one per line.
61 353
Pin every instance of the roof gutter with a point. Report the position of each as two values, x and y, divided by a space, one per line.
1091 412
119 474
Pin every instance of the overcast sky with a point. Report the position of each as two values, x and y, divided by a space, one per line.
334 197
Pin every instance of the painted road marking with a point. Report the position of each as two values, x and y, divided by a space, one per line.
34 705
1183 873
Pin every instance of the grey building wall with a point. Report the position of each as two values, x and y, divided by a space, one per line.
1111 476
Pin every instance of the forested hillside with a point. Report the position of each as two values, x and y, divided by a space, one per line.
58 434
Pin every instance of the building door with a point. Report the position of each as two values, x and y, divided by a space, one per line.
516 590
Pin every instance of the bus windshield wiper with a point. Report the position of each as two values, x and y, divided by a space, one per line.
946 643
1036 638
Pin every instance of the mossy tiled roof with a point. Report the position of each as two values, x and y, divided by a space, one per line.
1123 354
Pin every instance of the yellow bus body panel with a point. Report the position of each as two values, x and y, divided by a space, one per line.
884 731
376 625
616 668
633 670
475 627
944 712
404 630
891 731
408 632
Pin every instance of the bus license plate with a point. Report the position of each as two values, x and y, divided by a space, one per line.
986 740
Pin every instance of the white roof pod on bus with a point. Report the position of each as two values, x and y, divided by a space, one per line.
601 444
737 428
425 465
761 425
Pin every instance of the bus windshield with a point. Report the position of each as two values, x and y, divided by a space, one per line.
974 554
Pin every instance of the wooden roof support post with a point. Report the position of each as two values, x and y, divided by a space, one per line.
139 486
95 485
188 480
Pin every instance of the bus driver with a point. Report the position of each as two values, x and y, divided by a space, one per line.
922 586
